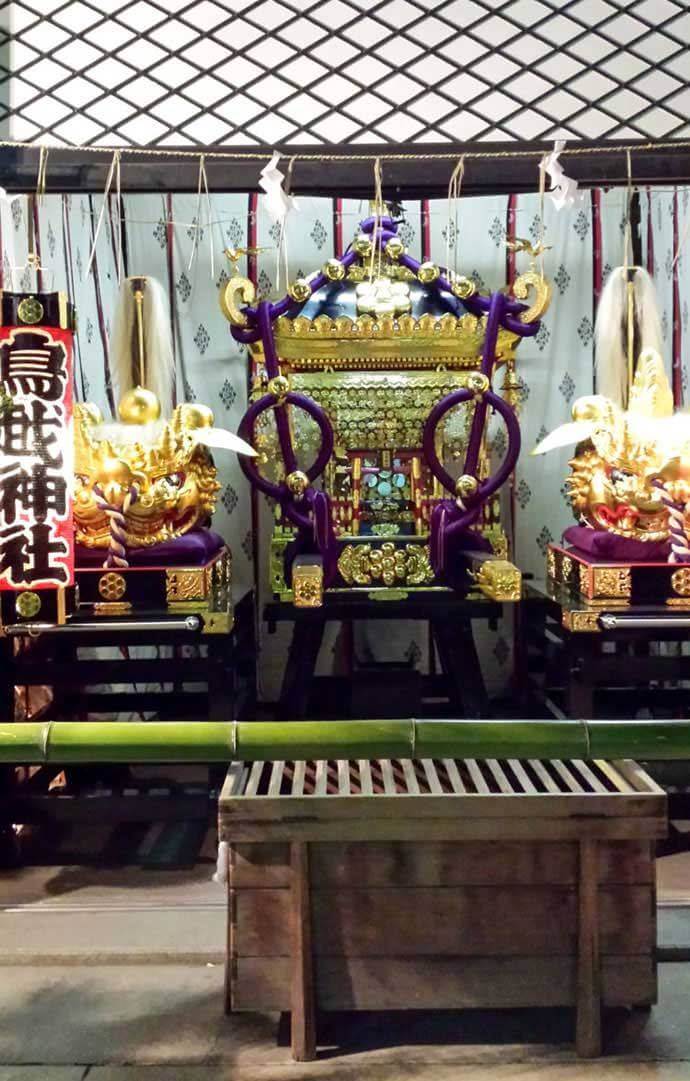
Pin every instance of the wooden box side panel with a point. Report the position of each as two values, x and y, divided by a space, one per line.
393 983
498 924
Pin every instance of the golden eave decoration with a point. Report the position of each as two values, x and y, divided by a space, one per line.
455 341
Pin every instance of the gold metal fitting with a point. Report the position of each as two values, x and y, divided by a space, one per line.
28 604
466 485
112 586
334 270
395 248
464 288
278 387
30 310
362 244
428 272
297 483
300 290
477 382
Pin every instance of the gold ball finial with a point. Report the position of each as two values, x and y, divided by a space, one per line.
463 288
279 387
297 483
300 290
195 415
428 273
477 382
139 406
395 248
362 245
334 270
466 486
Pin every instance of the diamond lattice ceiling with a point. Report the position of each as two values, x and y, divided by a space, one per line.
276 71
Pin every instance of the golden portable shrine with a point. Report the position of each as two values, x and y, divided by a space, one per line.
380 369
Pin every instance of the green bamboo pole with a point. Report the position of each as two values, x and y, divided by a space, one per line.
66 743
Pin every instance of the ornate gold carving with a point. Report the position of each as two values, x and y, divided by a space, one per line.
174 475
611 582
581 621
395 248
585 578
387 341
112 608
680 581
499 580
567 568
551 563
30 310
188 584
28 604
112 586
237 286
307 585
279 387
362 564
532 279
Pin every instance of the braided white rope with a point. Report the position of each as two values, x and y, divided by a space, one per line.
680 551
117 548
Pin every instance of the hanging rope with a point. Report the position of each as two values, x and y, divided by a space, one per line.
454 188
114 166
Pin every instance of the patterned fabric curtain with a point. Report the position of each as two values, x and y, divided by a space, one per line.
160 237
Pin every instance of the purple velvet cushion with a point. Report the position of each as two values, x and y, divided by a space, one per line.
603 545
193 549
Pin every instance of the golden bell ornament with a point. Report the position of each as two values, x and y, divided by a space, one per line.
300 290
139 406
428 273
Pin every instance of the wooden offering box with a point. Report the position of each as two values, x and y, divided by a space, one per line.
365 885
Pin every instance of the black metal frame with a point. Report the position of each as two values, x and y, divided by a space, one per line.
490 168
492 29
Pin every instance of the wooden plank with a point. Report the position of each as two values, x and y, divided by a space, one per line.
343 777
571 782
276 779
477 776
454 775
614 776
588 1008
387 774
441 863
302 996
435 786
366 783
253 782
391 805
499 776
522 775
410 776
544 775
230 979
261 866
589 775
459 921
302 826
232 784
373 983
298 778
321 781
636 777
